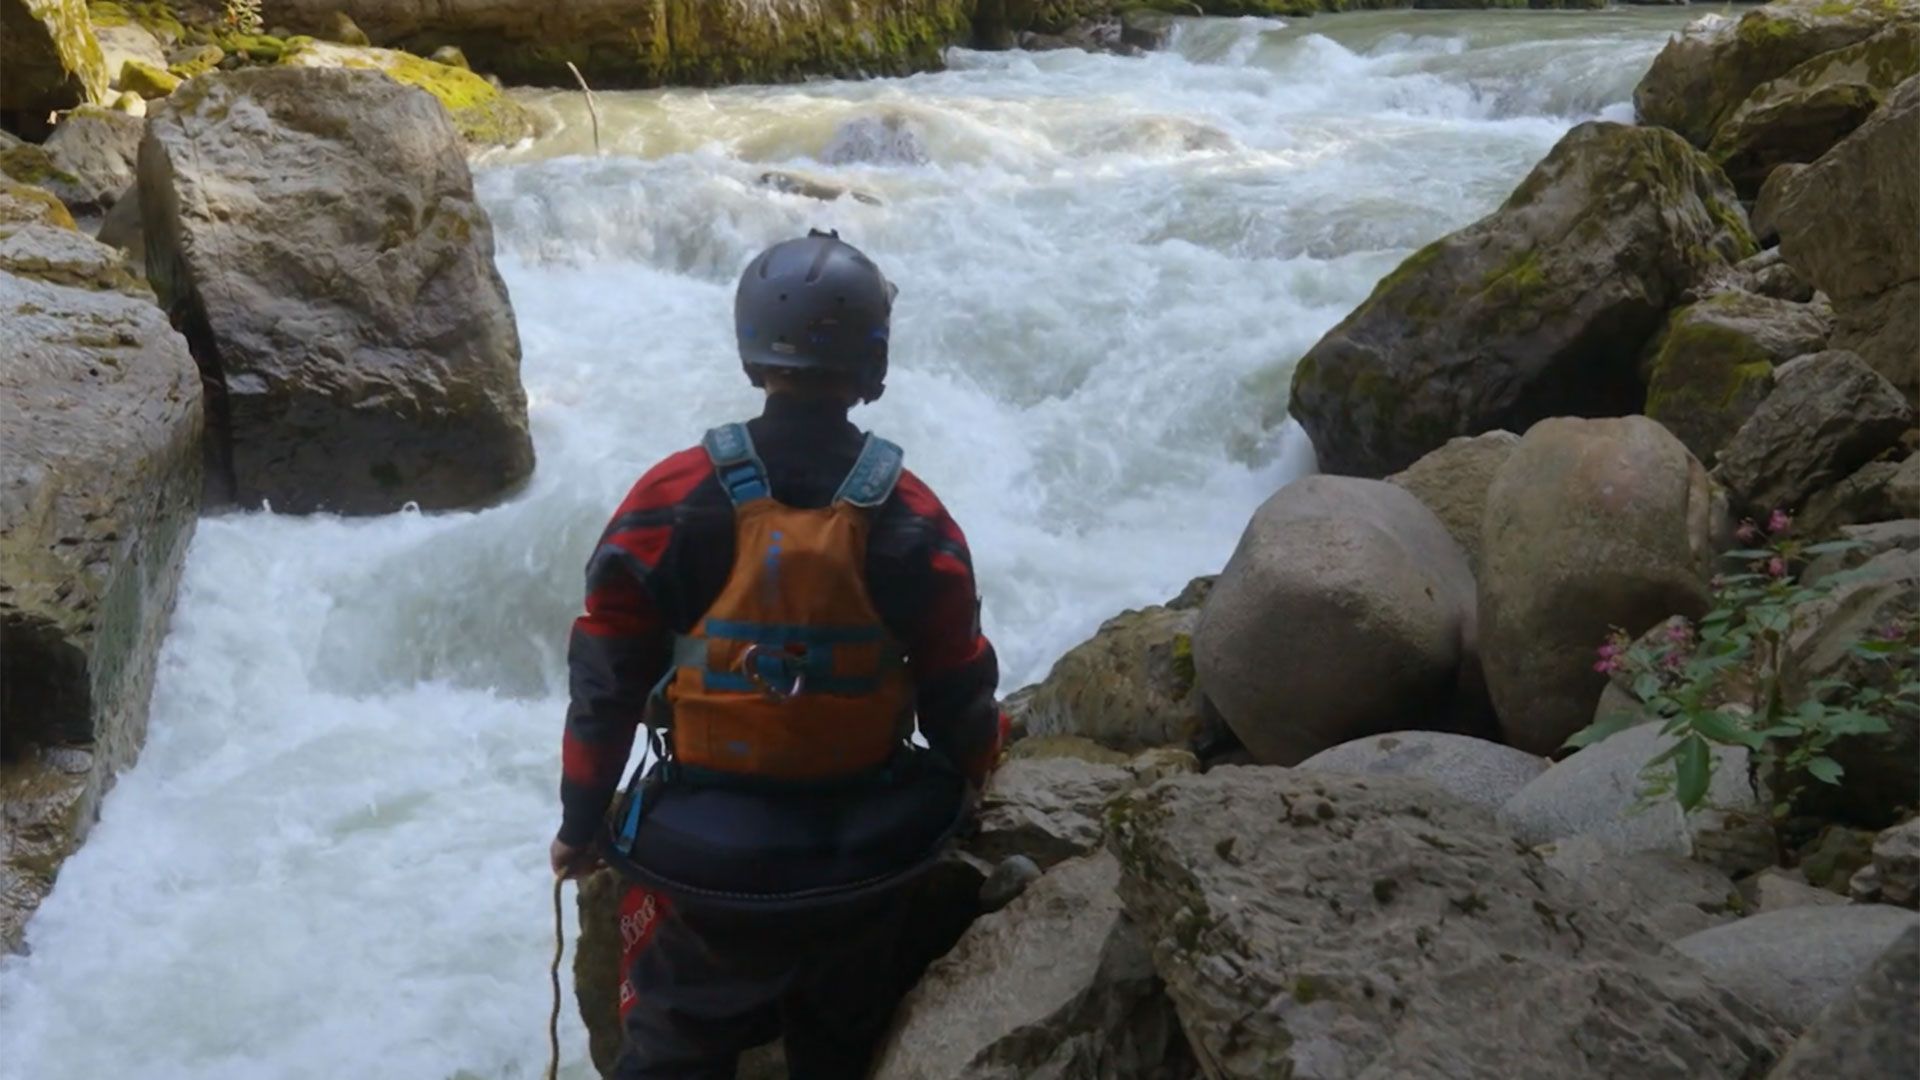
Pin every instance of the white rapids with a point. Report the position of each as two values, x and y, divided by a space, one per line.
329 861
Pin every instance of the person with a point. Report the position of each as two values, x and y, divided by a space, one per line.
776 607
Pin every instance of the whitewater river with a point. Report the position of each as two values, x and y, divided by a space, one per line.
330 860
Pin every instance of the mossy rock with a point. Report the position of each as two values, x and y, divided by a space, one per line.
482 113
30 164
25 204
196 60
154 17
149 82
52 60
1713 364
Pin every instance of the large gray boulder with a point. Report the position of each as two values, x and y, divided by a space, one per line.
1452 481
96 147
1058 985
1672 896
1877 491
1539 309
1871 1032
1320 926
1713 364
1796 962
1047 809
1850 222
49 59
481 112
1894 875
100 414
1345 610
315 232
1130 686
1828 415
1471 770
1706 72
1591 525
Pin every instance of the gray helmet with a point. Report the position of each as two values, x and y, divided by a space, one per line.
815 304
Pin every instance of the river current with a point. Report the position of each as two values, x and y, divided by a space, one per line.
330 860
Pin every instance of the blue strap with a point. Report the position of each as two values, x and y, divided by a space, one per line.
873 475
738 464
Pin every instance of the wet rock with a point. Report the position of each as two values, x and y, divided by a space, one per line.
483 114
1707 71
1058 985
886 139
195 60
1714 363
97 147
1321 926
1537 310
1484 773
1345 610
52 62
1047 809
1802 114
1828 415
1598 794
1796 962
1670 895
1879 491
1774 889
790 183
355 393
1145 29
1130 686
1871 1032
1766 206
1590 525
100 414
1850 223
1894 875
1452 481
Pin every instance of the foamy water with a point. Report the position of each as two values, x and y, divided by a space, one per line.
329 861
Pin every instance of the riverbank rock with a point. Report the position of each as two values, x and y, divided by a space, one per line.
1452 481
1537 310
100 413
350 392
1345 610
1047 809
1827 415
24 204
481 112
1879 491
1872 1032
1708 70
1850 223
1774 889
1320 927
1714 363
96 147
1894 875
1765 215
1597 794
1802 114
1671 895
1590 525
1769 274
1130 687
49 60
1795 963
1058 985
1476 771
639 43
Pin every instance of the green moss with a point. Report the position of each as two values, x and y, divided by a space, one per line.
155 17
148 81
24 204
1833 8
1183 669
259 48
479 110
202 59
30 164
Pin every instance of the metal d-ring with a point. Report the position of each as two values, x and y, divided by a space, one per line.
770 691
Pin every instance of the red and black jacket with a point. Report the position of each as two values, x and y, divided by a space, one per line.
666 554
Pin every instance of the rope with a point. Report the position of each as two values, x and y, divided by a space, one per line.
553 976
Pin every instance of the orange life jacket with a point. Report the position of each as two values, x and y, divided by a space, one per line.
791 675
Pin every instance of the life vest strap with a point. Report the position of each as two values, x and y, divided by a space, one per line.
874 474
737 463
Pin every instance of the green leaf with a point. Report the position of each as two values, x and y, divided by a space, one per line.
1825 769
1828 547
1611 724
1692 767
1722 728
1743 554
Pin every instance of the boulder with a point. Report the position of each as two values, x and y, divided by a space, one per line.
124 41
1345 610
1057 986
1879 491
1769 274
1320 926
195 60
1452 481
1828 415
62 256
637 43
1713 364
100 413
1802 114
49 60
1774 889
1869 541
1130 686
150 81
792 183
26 163
1872 1031
1894 875
1832 859
1537 310
1766 205
1600 793
24 204
97 147
883 139
1670 895
1047 809
355 393
1146 29
1472 770
1850 223
483 114
1708 70
121 229
1591 525
1796 962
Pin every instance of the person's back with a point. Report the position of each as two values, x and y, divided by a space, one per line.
777 606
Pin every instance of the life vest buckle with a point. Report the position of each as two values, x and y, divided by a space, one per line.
752 670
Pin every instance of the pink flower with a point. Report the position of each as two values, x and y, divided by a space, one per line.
1779 521
1746 533
1777 567
1607 666
1674 660
1610 651
1679 632
1892 631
